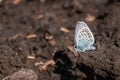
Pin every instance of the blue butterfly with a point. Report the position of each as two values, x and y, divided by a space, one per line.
84 39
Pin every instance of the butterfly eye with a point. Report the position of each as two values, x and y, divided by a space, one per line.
75 47
78 23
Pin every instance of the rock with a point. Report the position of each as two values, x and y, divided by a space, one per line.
23 74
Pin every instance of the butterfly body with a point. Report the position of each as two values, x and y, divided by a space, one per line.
84 39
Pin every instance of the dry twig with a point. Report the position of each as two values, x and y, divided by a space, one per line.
73 51
43 66
31 36
65 30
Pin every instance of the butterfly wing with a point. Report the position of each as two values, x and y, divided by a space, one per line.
83 37
79 27
89 35
83 42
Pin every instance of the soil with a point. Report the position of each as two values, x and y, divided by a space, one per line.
44 18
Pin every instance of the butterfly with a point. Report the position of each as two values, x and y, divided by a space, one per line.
84 39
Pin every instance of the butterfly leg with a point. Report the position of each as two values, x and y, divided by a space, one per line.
83 50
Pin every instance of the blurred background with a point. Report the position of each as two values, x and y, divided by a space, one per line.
41 30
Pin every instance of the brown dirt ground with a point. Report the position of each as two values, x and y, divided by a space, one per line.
45 18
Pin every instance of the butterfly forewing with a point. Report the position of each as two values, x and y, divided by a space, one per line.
79 27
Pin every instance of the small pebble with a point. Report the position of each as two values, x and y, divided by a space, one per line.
16 1
90 18
48 37
40 16
52 42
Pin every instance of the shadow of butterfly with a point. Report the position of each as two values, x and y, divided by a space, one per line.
84 39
